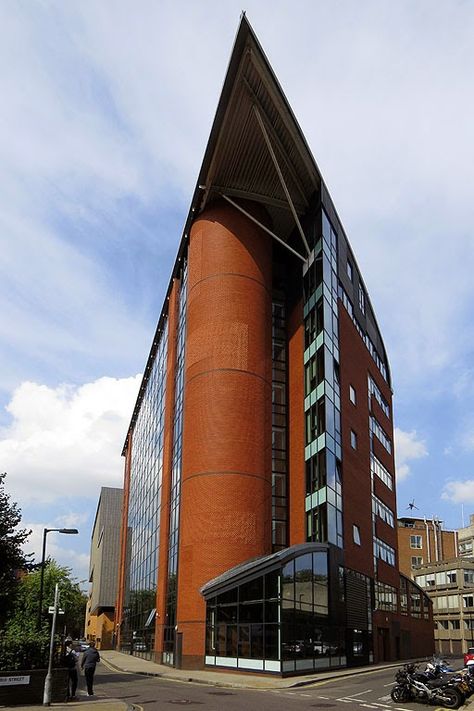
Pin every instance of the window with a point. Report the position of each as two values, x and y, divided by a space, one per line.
353 440
349 270
469 577
381 435
379 470
416 560
415 542
375 391
352 394
451 576
455 624
467 601
356 534
361 299
383 551
383 511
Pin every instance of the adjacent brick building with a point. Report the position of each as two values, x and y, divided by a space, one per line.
258 529
422 541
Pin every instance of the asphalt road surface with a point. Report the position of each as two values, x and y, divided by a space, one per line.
370 690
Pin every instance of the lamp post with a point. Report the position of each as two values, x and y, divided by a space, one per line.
45 533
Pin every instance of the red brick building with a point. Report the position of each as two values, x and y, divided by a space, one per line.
258 528
422 541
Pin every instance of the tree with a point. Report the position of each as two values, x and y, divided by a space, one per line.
22 622
13 560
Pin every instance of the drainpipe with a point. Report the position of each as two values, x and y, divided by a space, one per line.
428 547
435 533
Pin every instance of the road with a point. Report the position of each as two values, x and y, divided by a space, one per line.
370 690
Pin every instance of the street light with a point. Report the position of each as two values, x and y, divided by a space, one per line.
45 533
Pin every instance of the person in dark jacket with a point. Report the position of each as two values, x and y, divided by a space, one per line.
89 659
71 659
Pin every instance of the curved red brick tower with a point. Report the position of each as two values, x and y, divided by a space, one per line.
225 514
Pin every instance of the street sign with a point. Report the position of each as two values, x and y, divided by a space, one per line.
51 610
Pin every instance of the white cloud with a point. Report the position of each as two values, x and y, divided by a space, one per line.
408 447
66 441
71 519
459 492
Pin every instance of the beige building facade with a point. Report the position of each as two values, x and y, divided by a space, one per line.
450 585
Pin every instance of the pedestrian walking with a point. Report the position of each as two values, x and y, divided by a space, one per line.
89 660
71 659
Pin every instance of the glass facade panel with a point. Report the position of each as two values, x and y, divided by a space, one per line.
172 586
144 510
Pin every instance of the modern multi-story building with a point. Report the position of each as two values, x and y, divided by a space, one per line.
104 560
258 528
422 541
450 585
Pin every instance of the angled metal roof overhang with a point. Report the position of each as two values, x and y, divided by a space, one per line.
256 151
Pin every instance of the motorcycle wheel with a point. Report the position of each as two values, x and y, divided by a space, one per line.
450 698
400 694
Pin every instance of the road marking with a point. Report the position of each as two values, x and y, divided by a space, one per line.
345 701
361 693
384 698
113 669
308 695
323 697
368 706
391 684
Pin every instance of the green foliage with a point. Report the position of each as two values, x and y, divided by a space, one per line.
21 625
31 652
12 558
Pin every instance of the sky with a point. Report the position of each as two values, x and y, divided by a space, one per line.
105 114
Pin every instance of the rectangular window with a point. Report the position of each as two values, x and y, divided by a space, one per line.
352 394
467 601
383 511
353 440
416 542
356 534
349 270
383 551
361 299
375 391
380 433
416 560
377 468
469 577
451 576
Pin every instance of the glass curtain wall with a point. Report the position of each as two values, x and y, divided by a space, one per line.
322 392
138 633
279 426
171 594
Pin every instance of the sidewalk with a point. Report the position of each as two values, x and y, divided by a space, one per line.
136 665
82 704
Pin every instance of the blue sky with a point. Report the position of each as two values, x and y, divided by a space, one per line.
106 111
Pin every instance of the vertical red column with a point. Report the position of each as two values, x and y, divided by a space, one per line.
226 477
